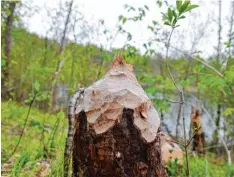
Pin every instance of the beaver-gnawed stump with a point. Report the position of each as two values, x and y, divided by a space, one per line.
116 129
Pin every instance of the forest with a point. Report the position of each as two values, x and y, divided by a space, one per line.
55 52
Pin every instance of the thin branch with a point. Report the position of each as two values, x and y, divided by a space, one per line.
186 150
168 68
209 66
173 101
218 145
176 142
194 134
181 106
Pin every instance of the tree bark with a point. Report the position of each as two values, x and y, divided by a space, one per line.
219 32
197 132
120 151
7 49
231 28
114 130
217 123
61 50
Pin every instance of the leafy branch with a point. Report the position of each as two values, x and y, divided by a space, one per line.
174 15
171 19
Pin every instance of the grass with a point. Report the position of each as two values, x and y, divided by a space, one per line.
42 144
40 152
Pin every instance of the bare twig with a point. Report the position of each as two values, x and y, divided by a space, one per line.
173 101
210 67
189 141
186 150
218 145
168 68
178 118
176 142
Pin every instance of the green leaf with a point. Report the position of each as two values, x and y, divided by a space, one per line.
174 22
131 8
182 17
151 28
159 3
120 28
191 7
146 7
229 76
183 7
3 62
14 62
169 13
154 22
228 111
178 5
149 79
227 44
120 17
151 90
37 85
165 17
152 52
166 23
126 6
129 38
124 20
174 13
184 83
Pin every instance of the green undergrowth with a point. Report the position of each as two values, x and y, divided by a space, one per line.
42 146
206 166
40 151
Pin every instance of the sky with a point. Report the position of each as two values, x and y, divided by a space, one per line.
109 11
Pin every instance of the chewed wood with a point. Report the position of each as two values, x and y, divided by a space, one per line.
115 128
105 100
120 151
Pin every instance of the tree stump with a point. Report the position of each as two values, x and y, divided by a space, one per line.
198 134
116 129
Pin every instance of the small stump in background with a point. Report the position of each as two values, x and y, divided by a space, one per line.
198 134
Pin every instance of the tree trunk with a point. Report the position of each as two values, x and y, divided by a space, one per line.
61 50
120 151
114 128
217 123
7 40
231 29
197 132
219 32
